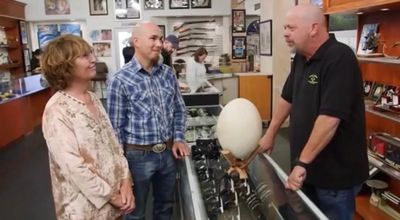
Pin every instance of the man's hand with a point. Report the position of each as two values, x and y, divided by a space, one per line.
296 178
180 149
127 198
266 143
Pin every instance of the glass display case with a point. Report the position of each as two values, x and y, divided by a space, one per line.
207 191
204 96
201 122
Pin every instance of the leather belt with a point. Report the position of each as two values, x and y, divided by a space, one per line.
156 148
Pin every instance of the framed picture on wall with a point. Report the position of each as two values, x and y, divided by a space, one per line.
238 21
98 7
23 31
27 59
127 9
57 7
266 38
317 3
178 4
102 49
162 27
153 4
200 3
238 47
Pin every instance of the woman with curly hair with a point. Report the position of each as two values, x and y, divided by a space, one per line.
89 173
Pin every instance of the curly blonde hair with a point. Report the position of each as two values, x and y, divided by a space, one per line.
58 59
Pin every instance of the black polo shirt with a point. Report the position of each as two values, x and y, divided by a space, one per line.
330 83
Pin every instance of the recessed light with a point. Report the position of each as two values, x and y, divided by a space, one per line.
384 9
360 13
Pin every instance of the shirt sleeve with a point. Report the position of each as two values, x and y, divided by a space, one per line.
116 107
179 114
65 152
190 72
340 83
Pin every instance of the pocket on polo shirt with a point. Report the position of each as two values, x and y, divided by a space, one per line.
141 103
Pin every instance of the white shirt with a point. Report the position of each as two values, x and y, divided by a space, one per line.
195 75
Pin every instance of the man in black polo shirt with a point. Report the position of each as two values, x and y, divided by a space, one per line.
323 95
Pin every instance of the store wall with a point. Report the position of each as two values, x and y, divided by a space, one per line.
279 63
35 13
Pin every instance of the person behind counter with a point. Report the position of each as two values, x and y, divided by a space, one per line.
35 61
323 95
196 70
170 44
89 174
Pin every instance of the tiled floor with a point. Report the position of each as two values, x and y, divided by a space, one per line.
25 189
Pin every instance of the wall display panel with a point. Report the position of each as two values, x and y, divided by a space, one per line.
196 33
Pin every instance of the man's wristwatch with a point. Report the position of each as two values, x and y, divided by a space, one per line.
301 164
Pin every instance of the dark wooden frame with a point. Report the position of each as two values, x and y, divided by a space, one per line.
244 47
161 8
207 6
235 27
266 28
93 12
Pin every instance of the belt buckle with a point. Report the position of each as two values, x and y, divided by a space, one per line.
159 148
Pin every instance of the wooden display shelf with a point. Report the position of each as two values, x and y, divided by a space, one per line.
388 115
379 60
368 211
10 46
10 66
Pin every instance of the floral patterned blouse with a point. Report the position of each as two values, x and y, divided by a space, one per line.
86 160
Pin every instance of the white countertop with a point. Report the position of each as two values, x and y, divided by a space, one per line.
229 75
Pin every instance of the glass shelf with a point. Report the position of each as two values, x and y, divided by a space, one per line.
391 116
379 60
382 165
9 66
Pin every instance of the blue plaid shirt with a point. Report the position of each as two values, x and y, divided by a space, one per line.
146 108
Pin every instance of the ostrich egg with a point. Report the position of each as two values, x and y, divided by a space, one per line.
239 128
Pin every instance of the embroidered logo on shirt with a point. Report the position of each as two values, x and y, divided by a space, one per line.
312 79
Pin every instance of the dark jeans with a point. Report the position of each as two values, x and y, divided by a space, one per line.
158 169
335 204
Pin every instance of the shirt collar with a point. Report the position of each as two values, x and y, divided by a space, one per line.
321 50
157 68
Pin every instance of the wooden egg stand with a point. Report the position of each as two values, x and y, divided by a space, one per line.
239 165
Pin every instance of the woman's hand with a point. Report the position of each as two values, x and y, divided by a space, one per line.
127 198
